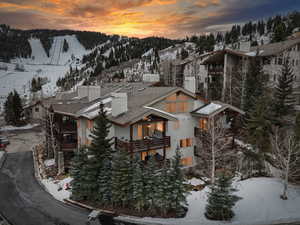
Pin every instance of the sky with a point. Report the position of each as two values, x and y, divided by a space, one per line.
140 18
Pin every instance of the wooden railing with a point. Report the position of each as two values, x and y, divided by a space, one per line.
68 146
143 145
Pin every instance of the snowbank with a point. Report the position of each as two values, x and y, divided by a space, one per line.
49 162
11 128
261 204
57 188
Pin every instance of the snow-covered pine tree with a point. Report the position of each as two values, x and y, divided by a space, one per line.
78 174
284 101
221 199
138 194
179 188
99 150
121 179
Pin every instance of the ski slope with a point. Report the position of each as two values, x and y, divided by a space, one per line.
38 55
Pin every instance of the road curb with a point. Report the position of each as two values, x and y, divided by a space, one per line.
2 159
79 204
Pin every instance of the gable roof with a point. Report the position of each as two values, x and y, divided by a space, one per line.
213 108
275 48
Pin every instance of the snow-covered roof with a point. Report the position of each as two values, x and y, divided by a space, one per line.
208 109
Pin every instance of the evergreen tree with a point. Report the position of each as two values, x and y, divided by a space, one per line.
99 150
280 33
179 190
258 127
255 84
284 101
150 173
78 174
105 183
121 179
65 46
138 194
221 199
13 109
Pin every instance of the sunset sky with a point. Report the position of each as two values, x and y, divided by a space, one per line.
141 18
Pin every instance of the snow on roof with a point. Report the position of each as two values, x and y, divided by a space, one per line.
161 111
94 113
210 108
254 53
97 104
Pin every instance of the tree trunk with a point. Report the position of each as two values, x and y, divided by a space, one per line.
213 158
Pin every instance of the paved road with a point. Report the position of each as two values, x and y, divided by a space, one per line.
24 202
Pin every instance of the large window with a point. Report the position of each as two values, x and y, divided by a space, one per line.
186 142
203 124
177 103
188 161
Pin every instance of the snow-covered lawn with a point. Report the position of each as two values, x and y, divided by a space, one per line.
261 204
57 188
26 127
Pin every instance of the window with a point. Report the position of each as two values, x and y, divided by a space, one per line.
186 142
188 161
90 124
171 107
279 61
37 109
203 124
78 124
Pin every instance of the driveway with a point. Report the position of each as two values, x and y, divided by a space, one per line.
22 200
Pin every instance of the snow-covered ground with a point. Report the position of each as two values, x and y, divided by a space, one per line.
41 65
26 127
261 204
57 188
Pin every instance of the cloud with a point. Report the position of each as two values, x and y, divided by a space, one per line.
171 18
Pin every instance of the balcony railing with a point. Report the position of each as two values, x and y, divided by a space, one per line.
143 145
69 146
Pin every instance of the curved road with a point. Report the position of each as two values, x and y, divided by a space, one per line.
24 202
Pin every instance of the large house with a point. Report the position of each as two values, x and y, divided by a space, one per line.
146 120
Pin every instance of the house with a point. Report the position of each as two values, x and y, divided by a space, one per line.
146 120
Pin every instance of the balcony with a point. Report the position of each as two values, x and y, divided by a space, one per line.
69 146
143 145
199 132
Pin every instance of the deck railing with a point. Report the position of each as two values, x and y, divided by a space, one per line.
143 145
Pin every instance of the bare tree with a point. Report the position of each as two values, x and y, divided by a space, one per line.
213 143
50 130
286 153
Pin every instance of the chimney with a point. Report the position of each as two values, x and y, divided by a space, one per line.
245 46
190 84
119 104
92 92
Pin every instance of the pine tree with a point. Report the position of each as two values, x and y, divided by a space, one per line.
255 84
13 109
284 101
163 191
150 181
258 127
138 195
221 200
179 190
99 150
78 174
121 179
105 183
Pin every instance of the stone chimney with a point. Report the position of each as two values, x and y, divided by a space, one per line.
92 92
119 103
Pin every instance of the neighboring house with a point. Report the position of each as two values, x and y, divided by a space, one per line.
210 75
145 120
